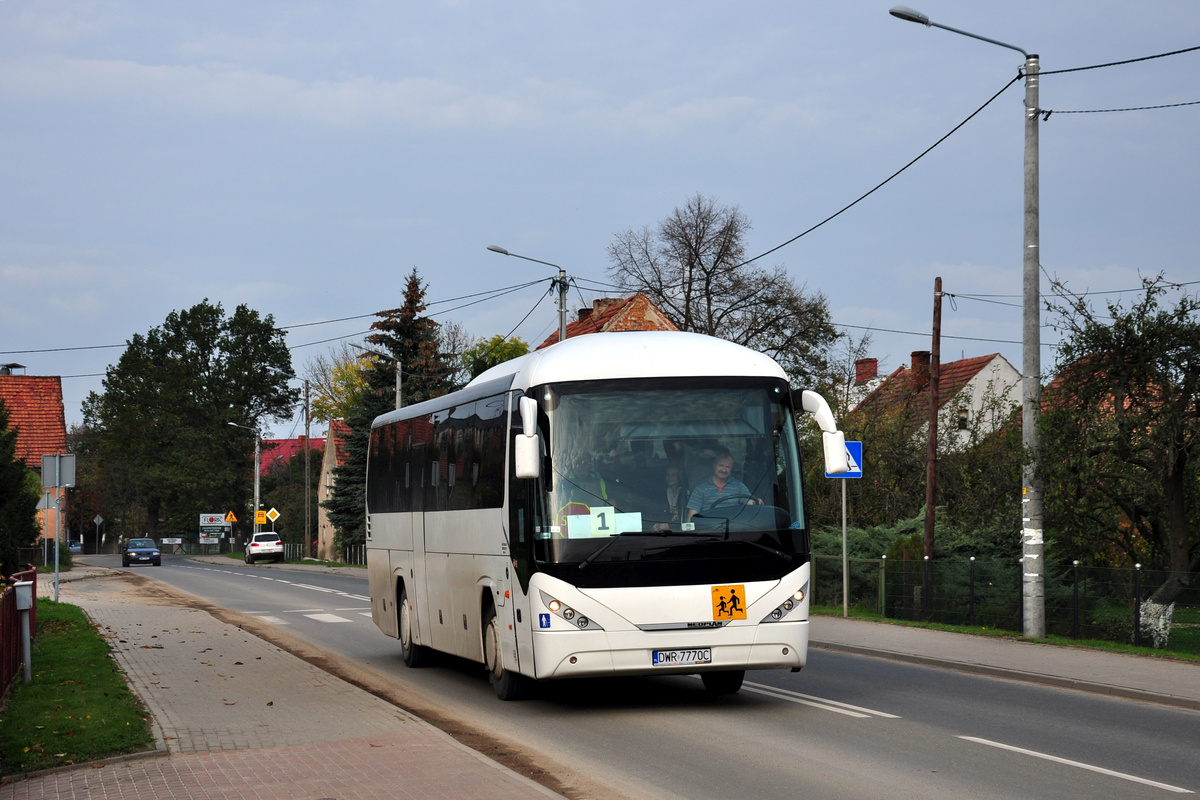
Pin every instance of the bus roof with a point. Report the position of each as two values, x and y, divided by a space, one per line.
633 354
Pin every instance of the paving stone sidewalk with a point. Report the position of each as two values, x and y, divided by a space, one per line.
237 717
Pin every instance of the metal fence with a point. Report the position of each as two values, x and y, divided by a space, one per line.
1081 602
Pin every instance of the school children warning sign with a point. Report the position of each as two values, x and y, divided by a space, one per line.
729 602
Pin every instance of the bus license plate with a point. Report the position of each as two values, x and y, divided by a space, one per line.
675 658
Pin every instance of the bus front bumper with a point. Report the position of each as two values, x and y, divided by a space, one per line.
580 654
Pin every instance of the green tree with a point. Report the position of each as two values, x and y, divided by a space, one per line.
160 430
486 354
692 267
412 339
19 494
1121 434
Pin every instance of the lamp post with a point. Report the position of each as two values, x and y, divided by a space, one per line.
385 357
257 457
1032 546
560 282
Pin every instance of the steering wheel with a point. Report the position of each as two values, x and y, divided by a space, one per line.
732 497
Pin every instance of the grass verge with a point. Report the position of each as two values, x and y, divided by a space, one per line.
77 708
1092 644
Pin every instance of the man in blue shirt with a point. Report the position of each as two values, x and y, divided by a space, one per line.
721 486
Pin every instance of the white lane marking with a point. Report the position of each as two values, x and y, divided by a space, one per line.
1089 767
365 613
315 588
272 620
822 700
302 610
358 597
359 609
780 696
327 618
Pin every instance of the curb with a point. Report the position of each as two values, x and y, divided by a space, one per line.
1090 687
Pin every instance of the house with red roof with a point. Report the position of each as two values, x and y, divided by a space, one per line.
975 395
35 408
276 453
634 313
335 456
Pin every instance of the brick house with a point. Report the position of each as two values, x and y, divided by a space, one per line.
634 313
35 407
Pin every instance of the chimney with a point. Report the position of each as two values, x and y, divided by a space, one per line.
584 314
920 369
865 369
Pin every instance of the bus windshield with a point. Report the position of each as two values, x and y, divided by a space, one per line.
670 470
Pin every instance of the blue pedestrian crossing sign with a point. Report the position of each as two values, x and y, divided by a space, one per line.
854 454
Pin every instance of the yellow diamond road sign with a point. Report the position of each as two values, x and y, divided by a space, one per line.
273 515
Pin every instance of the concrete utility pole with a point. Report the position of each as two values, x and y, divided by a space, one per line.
1032 543
560 282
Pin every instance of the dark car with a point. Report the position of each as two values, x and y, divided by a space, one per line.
141 551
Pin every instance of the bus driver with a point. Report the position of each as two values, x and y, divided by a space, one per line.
720 486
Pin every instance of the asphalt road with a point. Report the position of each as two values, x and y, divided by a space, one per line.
847 726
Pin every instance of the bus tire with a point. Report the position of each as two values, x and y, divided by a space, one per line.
719 683
508 685
414 655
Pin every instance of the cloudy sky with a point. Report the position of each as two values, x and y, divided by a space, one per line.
302 157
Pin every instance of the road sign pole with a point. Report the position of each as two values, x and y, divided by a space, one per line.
845 561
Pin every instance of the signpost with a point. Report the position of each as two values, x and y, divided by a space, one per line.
854 452
58 473
213 527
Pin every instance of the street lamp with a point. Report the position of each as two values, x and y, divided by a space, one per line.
257 456
1032 546
560 282
385 357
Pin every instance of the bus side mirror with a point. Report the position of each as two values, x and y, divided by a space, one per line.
833 441
526 446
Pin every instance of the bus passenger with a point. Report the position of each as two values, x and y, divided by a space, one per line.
721 485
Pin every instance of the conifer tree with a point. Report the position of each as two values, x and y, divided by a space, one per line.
18 498
412 340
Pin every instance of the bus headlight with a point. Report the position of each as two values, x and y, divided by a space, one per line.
568 614
787 606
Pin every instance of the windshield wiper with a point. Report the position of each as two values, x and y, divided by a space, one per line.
583 564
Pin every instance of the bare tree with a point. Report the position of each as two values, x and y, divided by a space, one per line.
337 380
692 267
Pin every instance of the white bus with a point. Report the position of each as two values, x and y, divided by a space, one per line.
525 522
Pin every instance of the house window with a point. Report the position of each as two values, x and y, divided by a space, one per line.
962 419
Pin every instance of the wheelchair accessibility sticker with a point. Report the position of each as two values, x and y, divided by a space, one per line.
729 602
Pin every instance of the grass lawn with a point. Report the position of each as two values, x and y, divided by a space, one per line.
77 708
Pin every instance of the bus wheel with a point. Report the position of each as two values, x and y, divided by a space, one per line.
508 685
718 683
414 655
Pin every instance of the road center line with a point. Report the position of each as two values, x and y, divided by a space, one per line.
822 700
770 692
1089 767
